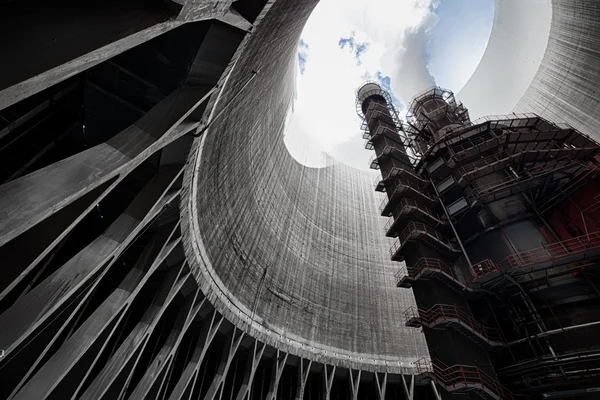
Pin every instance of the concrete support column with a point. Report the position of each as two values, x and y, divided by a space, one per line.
195 305
303 371
354 382
381 384
101 323
254 357
29 312
409 390
29 200
136 341
187 380
328 374
278 365
231 345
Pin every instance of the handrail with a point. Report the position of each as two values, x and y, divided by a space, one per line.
389 150
564 248
509 124
406 204
483 268
402 184
425 263
505 156
528 174
447 311
417 227
464 374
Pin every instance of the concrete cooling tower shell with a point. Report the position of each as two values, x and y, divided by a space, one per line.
295 255
129 272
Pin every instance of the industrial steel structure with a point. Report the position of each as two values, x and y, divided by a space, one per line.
497 228
158 241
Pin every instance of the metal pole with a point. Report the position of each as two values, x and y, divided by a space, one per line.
451 224
555 331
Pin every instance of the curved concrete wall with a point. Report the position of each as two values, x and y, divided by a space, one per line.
566 87
513 55
296 255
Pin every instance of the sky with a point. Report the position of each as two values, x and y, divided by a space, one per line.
404 45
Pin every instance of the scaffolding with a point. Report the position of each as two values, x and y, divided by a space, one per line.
527 163
547 178
464 379
433 114
447 315
424 233
408 209
565 252
405 189
431 268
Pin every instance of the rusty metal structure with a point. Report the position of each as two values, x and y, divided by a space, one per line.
497 229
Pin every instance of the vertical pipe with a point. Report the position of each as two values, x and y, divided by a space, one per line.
451 224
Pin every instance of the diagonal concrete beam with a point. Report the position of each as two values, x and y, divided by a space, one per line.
195 305
106 317
380 384
328 375
32 198
32 310
251 365
278 365
189 375
138 338
354 382
408 391
303 371
229 350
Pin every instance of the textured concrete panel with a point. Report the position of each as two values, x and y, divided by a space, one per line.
566 87
295 254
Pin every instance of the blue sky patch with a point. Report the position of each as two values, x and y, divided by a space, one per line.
303 50
358 48
385 83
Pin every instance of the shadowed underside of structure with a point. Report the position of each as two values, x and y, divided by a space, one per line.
130 273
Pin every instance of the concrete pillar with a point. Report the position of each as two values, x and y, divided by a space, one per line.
195 305
188 377
29 312
31 199
136 341
103 321
278 365
328 375
354 379
251 365
380 384
231 345
303 371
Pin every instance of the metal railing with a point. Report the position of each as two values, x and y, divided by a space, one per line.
485 162
390 150
415 228
450 312
404 206
552 251
483 268
464 375
401 185
526 175
422 264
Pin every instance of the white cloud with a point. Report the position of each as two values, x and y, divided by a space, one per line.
324 117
